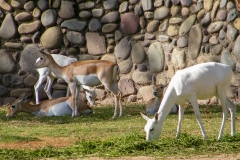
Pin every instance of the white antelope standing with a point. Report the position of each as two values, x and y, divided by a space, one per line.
46 73
51 107
154 103
201 81
89 73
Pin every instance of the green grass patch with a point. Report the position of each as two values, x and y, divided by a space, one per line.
98 135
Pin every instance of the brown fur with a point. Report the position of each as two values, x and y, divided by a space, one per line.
44 106
105 71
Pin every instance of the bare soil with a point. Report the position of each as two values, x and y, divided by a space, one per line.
60 142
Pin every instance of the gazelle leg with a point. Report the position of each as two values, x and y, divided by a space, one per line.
180 117
193 101
68 92
47 87
110 86
119 97
37 86
72 87
232 109
120 103
76 98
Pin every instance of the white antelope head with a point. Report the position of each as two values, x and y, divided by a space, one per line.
14 107
152 128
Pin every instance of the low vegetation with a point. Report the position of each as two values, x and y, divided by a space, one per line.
97 135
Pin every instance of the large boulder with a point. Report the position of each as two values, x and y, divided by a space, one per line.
7 64
52 38
129 23
156 57
49 17
95 43
126 86
194 41
123 49
8 28
67 9
27 28
28 58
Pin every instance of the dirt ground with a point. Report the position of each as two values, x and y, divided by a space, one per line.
63 142
55 142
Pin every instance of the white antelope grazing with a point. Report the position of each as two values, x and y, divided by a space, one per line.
89 73
51 107
154 103
201 81
46 73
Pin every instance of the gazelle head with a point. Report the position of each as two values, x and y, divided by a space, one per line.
14 107
91 96
43 61
152 128
158 89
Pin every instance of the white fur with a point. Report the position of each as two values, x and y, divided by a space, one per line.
38 60
90 94
46 73
57 107
88 80
106 71
201 81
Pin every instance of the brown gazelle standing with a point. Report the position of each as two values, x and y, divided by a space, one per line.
88 72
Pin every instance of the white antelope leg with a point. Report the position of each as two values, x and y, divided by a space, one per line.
232 109
194 103
180 117
222 97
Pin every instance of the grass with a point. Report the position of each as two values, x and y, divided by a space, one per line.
98 135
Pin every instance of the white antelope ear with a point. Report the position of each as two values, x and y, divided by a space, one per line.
144 116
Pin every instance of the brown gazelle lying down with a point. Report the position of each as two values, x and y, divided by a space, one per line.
154 103
51 107
88 72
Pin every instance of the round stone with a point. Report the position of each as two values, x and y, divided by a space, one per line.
52 38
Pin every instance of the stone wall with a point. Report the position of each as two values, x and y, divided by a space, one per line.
145 38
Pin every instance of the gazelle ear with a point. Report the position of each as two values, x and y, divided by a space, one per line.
154 79
22 97
144 116
156 117
44 52
165 85
6 105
